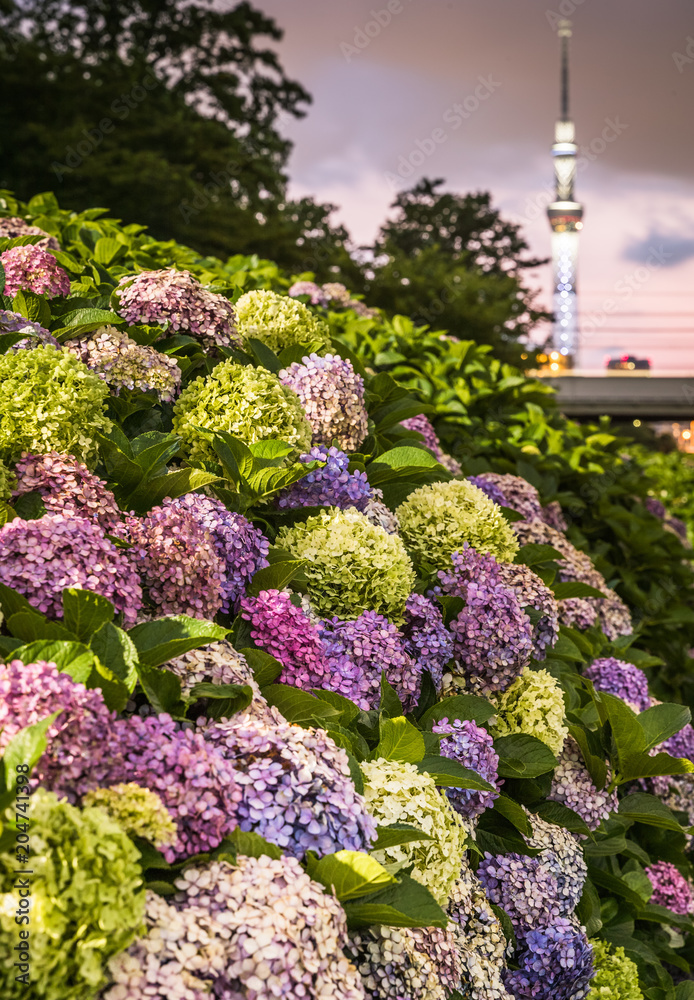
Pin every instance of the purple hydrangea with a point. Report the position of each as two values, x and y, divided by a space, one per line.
525 888
77 757
562 855
68 487
315 293
655 507
124 364
177 561
488 488
376 512
296 785
40 558
35 334
670 888
426 638
12 227
373 644
331 485
242 548
621 679
553 515
31 269
555 964
517 493
572 785
473 747
422 425
332 395
176 301
680 744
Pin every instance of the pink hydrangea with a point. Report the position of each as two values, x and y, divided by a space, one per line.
41 558
31 269
670 888
12 227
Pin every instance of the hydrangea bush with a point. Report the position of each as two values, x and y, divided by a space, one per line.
277 320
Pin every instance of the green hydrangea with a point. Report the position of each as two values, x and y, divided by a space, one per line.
396 792
250 403
437 520
8 482
534 704
351 565
616 976
50 401
139 811
278 320
86 900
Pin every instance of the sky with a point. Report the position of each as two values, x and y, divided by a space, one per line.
385 76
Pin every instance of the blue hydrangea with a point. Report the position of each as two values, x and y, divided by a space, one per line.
473 747
332 485
427 639
556 964
621 679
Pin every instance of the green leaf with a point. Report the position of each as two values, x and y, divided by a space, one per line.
563 591
73 658
107 249
274 577
26 747
12 602
642 765
85 612
596 765
91 317
405 904
163 690
173 484
250 845
270 450
33 306
162 640
561 815
461 706
224 700
588 909
615 885
662 721
514 813
31 626
406 457
117 652
390 704
29 506
349 874
398 833
347 709
266 668
644 808
8 340
532 554
264 355
522 756
450 773
628 737
297 705
399 740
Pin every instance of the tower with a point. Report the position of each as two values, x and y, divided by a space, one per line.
565 218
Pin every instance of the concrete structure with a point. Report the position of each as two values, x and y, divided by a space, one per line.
565 217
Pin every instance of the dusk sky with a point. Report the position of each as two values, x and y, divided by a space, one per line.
379 89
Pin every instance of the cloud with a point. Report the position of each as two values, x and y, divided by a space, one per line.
673 248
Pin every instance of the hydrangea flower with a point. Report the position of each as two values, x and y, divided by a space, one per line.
220 663
68 487
315 293
137 810
524 888
373 644
621 679
473 747
553 515
534 704
12 227
31 269
242 548
670 888
562 855
579 612
124 364
518 493
336 293
397 962
297 790
50 401
86 900
177 561
436 520
616 976
40 558
332 395
287 633
176 301
422 425
35 334
490 489
7 482
77 752
573 787
426 638
480 938
379 515
396 792
278 320
351 565
556 964
331 485
680 744
250 403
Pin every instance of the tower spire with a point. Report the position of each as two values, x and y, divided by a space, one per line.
565 217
